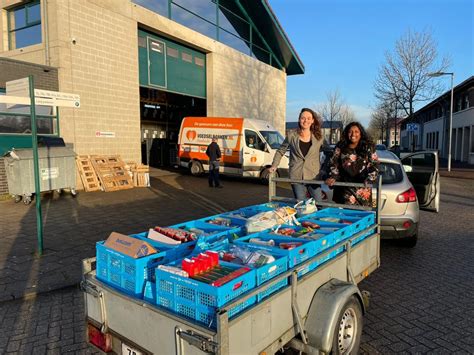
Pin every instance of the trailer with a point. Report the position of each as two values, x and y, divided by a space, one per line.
319 312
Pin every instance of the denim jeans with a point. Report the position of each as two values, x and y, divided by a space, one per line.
300 191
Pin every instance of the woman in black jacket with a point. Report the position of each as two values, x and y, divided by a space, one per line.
354 160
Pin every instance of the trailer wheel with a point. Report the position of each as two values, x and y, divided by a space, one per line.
17 198
27 199
196 168
348 328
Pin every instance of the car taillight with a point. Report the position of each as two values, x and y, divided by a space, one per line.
99 339
407 196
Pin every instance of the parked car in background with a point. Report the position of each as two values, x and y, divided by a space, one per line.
408 185
380 147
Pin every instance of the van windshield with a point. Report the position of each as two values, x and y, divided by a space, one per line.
273 138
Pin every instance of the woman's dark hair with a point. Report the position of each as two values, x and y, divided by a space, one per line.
364 143
316 126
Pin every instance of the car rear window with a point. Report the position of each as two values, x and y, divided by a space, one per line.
391 173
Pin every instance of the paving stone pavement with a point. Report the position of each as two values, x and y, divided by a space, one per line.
422 298
73 225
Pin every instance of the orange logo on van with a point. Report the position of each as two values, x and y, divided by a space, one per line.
191 135
253 159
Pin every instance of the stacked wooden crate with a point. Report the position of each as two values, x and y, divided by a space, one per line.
110 173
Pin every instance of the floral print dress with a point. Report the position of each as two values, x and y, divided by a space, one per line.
354 165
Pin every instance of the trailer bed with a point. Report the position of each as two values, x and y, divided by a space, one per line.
136 325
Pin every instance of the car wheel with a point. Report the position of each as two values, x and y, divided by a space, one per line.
410 242
348 330
196 168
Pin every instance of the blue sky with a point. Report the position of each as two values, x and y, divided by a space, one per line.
342 44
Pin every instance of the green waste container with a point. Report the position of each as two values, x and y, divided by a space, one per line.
57 171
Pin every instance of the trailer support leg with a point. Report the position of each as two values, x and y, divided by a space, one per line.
294 306
223 332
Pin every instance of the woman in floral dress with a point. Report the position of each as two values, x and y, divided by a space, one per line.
354 160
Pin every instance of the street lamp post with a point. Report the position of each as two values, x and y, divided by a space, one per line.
440 73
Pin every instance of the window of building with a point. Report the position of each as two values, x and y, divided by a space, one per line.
437 140
159 6
465 103
193 20
223 20
458 105
172 52
24 25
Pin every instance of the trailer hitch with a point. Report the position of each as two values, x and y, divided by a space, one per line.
201 342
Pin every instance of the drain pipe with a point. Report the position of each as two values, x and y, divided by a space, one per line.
46 32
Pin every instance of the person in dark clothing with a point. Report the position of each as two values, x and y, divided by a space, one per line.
354 160
214 153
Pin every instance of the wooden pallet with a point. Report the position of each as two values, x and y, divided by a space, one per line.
140 174
87 173
111 172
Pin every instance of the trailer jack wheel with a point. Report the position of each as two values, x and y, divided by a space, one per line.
348 328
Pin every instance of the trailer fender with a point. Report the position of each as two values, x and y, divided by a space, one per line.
325 309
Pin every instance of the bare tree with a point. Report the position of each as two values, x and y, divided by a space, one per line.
404 77
335 109
347 115
378 124
382 120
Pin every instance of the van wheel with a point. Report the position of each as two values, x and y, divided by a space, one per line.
265 176
196 168
348 329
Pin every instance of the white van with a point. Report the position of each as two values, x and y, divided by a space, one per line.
247 145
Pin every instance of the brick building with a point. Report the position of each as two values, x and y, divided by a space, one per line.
433 122
141 66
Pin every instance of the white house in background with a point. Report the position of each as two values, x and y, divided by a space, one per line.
433 120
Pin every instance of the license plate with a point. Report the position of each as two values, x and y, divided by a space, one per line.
128 350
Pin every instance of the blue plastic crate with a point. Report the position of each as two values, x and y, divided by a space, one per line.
179 251
207 228
176 251
295 256
360 219
333 232
199 301
234 222
362 237
250 211
315 264
126 273
266 272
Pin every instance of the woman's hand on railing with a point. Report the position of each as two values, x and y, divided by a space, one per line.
330 181
272 169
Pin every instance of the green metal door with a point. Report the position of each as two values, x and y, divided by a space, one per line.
157 62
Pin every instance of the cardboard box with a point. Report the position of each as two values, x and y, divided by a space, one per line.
124 244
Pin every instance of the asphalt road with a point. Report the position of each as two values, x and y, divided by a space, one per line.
422 298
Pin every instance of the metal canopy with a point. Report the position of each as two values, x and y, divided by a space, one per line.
267 24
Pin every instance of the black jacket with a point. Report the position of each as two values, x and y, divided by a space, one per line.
213 151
